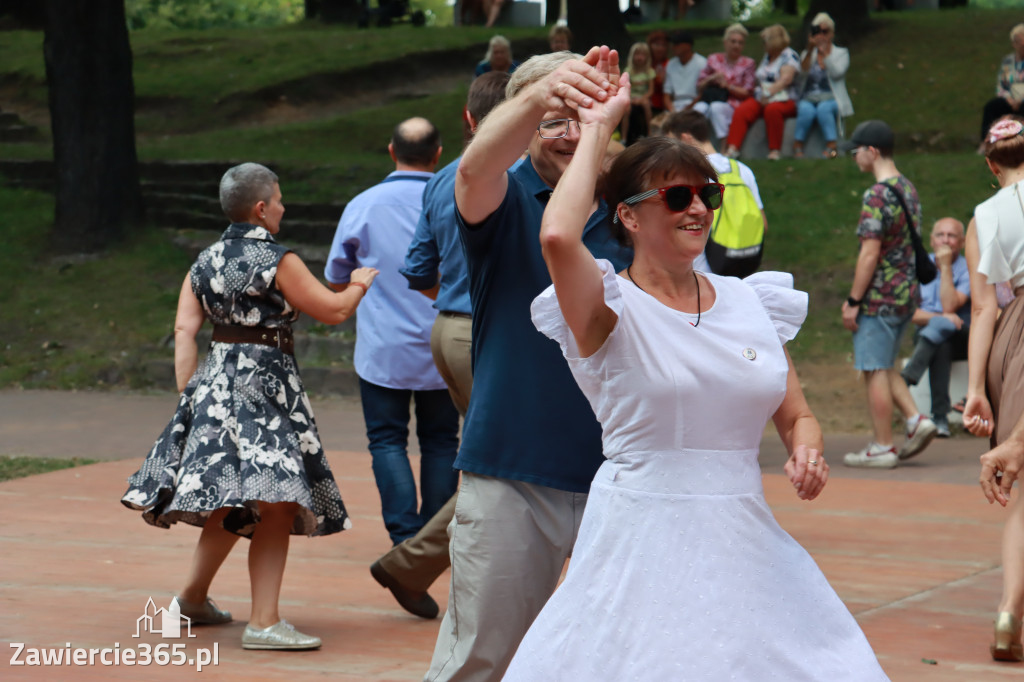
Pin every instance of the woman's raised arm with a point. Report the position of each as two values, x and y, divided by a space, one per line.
574 272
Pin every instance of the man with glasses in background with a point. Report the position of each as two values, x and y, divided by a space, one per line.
883 296
531 444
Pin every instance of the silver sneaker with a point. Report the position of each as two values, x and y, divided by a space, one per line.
874 456
919 438
206 613
280 635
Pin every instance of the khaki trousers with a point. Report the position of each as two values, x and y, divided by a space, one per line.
509 543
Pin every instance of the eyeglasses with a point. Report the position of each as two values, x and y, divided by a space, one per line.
556 128
858 150
815 30
678 198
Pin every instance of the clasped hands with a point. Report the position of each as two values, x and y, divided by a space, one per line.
591 88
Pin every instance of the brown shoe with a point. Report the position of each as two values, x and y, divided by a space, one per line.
417 603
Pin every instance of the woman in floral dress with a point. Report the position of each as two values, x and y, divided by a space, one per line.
242 456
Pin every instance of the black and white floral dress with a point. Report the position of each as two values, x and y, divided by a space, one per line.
243 431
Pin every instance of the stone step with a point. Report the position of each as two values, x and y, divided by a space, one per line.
161 198
19 133
292 231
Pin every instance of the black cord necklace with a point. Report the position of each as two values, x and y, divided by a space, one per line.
695 279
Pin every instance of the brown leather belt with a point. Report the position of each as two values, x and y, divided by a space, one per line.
265 336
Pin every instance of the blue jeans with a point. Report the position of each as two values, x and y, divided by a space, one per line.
386 412
877 341
824 112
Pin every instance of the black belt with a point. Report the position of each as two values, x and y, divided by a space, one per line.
265 336
451 313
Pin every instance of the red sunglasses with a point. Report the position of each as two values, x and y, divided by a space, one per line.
679 197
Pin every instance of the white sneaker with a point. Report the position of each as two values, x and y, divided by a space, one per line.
919 437
874 456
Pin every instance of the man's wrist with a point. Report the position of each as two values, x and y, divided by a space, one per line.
853 302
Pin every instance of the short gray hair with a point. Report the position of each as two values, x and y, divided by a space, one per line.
536 68
736 28
823 19
242 187
1016 31
494 42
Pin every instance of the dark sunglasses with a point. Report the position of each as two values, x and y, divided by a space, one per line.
679 197
816 30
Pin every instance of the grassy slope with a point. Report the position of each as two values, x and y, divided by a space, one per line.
933 102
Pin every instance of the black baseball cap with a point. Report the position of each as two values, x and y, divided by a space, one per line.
873 133
678 37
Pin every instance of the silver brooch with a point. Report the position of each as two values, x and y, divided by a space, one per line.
749 353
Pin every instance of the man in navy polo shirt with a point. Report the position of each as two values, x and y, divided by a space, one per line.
531 443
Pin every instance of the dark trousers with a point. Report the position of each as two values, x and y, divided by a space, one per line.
938 360
386 412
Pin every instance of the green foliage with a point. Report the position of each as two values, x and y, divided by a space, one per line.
203 14
19 467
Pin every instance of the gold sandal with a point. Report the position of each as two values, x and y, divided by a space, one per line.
1007 645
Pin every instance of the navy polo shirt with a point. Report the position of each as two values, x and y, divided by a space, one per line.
527 420
436 246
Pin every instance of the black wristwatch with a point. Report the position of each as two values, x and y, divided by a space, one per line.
852 302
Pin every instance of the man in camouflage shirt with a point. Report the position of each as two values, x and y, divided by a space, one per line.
883 296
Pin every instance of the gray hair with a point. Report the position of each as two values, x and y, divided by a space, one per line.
242 187
736 28
494 42
824 20
536 68
1015 32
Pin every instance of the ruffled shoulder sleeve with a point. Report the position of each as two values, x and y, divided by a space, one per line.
547 315
786 307
992 262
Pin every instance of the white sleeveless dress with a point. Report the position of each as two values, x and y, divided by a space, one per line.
680 571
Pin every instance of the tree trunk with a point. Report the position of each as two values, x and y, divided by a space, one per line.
92 110
552 10
341 11
787 6
598 22
851 17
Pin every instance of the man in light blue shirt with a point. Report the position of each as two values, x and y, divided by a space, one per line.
392 355
943 319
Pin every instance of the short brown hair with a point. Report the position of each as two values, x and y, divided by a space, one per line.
691 122
645 163
486 92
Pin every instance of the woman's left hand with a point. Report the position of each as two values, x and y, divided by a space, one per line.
807 471
611 110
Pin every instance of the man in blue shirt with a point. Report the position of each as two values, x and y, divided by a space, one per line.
392 355
531 443
412 566
943 319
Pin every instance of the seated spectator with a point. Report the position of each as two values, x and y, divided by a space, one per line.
943 319
695 130
560 38
1009 97
682 73
823 97
726 81
637 120
658 42
775 97
498 57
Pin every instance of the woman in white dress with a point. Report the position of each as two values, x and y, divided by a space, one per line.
680 571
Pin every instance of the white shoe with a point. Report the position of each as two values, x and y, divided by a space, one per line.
919 437
874 456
